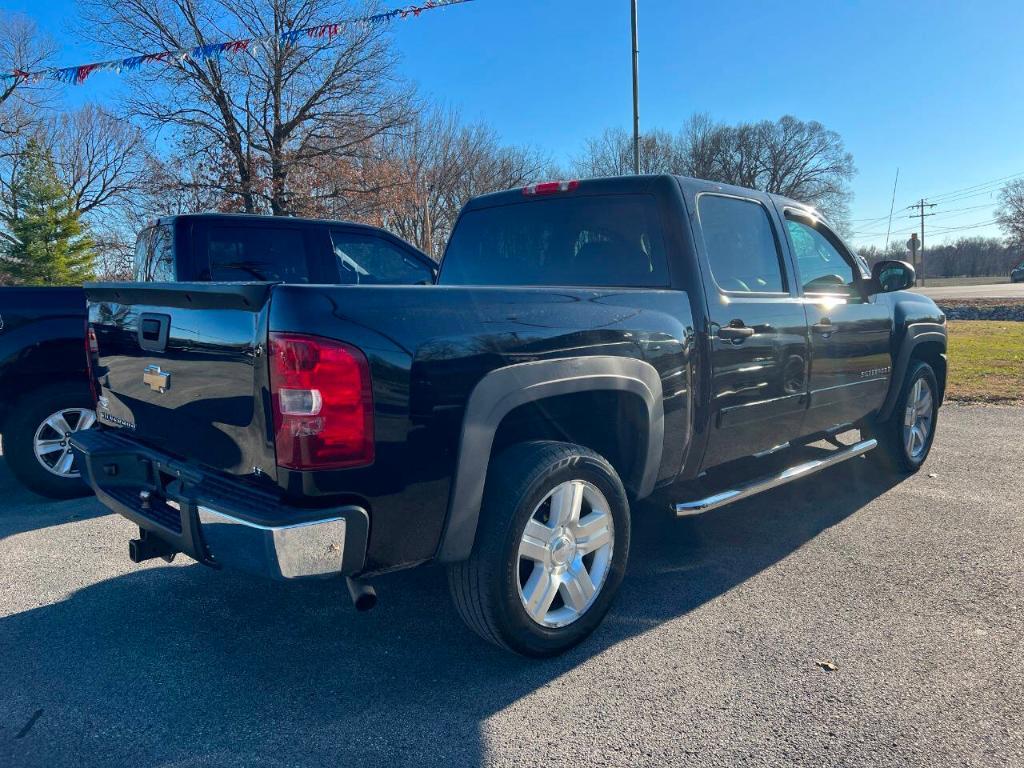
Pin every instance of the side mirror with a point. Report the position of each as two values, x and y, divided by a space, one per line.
889 276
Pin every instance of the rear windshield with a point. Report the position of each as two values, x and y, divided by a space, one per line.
601 241
154 255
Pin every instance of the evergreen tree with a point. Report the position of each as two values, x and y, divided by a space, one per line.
51 245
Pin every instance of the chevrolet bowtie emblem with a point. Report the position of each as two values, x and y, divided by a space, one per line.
155 379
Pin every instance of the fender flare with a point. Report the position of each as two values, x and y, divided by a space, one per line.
502 390
917 334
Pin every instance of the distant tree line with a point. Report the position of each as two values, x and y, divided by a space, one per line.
966 257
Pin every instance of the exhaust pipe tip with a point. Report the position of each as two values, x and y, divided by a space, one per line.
364 596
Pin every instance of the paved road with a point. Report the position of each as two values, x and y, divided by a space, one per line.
913 590
994 291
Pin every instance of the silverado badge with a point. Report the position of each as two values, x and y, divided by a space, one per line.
155 379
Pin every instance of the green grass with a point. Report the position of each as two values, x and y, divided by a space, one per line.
937 282
986 361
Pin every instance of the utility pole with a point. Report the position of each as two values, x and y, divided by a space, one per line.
920 207
636 93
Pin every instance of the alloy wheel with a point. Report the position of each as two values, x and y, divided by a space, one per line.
51 441
917 419
565 553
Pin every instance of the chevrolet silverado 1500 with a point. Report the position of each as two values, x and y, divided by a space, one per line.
585 344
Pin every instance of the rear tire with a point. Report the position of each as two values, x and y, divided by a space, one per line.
550 552
905 438
37 451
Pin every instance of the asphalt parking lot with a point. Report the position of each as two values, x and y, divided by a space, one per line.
913 591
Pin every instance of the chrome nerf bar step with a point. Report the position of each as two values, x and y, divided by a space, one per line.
699 506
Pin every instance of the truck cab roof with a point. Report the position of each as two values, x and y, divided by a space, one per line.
642 184
255 219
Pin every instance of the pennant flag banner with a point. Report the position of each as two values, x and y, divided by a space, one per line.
78 75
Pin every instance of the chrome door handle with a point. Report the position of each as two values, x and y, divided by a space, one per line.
825 327
735 332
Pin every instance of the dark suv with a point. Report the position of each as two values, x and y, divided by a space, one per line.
44 391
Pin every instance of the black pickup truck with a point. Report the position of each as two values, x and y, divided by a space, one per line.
44 390
585 344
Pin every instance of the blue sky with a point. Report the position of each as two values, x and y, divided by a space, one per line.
934 88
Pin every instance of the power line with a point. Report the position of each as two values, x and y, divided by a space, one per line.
944 195
951 196
963 210
940 229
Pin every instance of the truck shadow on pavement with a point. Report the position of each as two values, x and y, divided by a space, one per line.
22 510
187 666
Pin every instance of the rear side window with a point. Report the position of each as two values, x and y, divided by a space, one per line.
740 241
600 241
367 260
239 254
154 255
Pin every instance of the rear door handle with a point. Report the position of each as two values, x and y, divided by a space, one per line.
825 327
733 332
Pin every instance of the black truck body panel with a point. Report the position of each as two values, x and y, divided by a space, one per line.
42 340
421 384
458 371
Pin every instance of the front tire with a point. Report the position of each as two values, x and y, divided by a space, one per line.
905 438
550 552
36 439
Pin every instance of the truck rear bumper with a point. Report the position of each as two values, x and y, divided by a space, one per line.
216 520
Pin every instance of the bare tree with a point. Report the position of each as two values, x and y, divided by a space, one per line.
1010 213
270 109
431 170
23 49
611 154
700 147
99 156
803 160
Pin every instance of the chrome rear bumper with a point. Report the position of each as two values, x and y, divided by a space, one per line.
218 520
313 548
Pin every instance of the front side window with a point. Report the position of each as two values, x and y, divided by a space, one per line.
154 255
367 260
740 241
822 267
585 240
241 254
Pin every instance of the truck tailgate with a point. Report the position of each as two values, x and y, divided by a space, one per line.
183 368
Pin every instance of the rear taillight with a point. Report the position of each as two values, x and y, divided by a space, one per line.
92 349
323 404
550 188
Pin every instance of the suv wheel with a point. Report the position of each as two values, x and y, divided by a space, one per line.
550 552
36 439
905 439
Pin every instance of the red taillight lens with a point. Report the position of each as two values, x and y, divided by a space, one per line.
550 188
323 404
